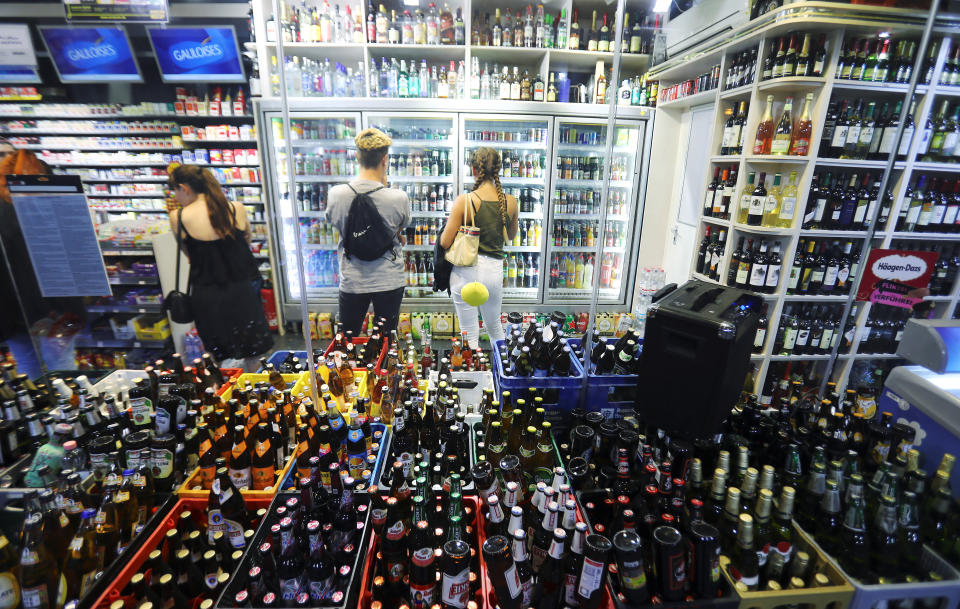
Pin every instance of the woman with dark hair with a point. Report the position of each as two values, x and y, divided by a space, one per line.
224 280
495 216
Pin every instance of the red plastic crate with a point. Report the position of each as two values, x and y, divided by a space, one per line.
229 374
485 590
198 508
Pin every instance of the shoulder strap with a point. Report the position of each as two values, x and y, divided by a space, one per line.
180 229
381 187
468 207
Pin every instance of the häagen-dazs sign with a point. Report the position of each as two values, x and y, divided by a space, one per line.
897 278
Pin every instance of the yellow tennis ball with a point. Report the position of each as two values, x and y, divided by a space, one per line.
474 293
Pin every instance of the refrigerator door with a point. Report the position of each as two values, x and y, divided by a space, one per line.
524 146
578 246
423 163
324 155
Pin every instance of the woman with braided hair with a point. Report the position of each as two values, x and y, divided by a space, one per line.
495 215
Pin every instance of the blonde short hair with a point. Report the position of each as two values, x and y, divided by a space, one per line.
372 145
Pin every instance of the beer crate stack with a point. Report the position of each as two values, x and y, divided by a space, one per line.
93 471
611 369
536 356
192 555
306 551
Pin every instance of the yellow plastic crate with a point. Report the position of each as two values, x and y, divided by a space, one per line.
187 488
835 596
191 487
152 327
303 385
257 377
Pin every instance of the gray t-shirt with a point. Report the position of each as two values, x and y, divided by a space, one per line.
387 272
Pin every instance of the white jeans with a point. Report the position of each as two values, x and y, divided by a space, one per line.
489 272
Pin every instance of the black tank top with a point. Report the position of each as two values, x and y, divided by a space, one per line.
220 261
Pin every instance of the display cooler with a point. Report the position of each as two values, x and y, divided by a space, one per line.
553 164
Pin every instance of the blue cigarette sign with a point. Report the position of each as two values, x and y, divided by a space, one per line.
91 54
192 54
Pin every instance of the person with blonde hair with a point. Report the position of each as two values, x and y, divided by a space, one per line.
224 282
495 215
380 281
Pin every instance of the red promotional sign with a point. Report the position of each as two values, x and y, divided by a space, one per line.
898 278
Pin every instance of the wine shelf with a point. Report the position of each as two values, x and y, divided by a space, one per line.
760 33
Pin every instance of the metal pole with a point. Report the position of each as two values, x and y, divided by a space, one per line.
291 177
612 86
885 180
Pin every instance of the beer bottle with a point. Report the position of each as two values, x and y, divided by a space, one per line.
455 574
744 558
503 572
263 464
731 518
908 519
810 498
782 527
496 443
524 571
884 548
240 468
227 512
574 563
82 561
544 536
40 578
792 474
828 521
590 583
423 568
632 577
549 590
9 568
762 533
290 564
528 452
714 508
856 554
107 527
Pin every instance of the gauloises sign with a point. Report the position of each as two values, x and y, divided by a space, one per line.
197 54
91 54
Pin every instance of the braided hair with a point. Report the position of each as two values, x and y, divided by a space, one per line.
486 168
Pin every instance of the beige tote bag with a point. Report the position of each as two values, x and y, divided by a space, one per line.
463 252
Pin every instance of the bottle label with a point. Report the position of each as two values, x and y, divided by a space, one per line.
590 577
803 335
758 340
789 339
262 477
569 590
853 134
825 339
770 205
745 202
905 141
9 591
839 137
456 589
830 277
886 141
161 462
708 199
514 587
758 275
140 410
743 270
163 421
773 275
36 597
234 533
756 206
780 144
290 588
421 595
241 478
788 207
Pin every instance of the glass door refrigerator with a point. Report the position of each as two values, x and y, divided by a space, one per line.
324 154
524 146
578 247
423 163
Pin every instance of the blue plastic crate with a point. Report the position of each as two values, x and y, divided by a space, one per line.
290 482
276 358
560 394
611 394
